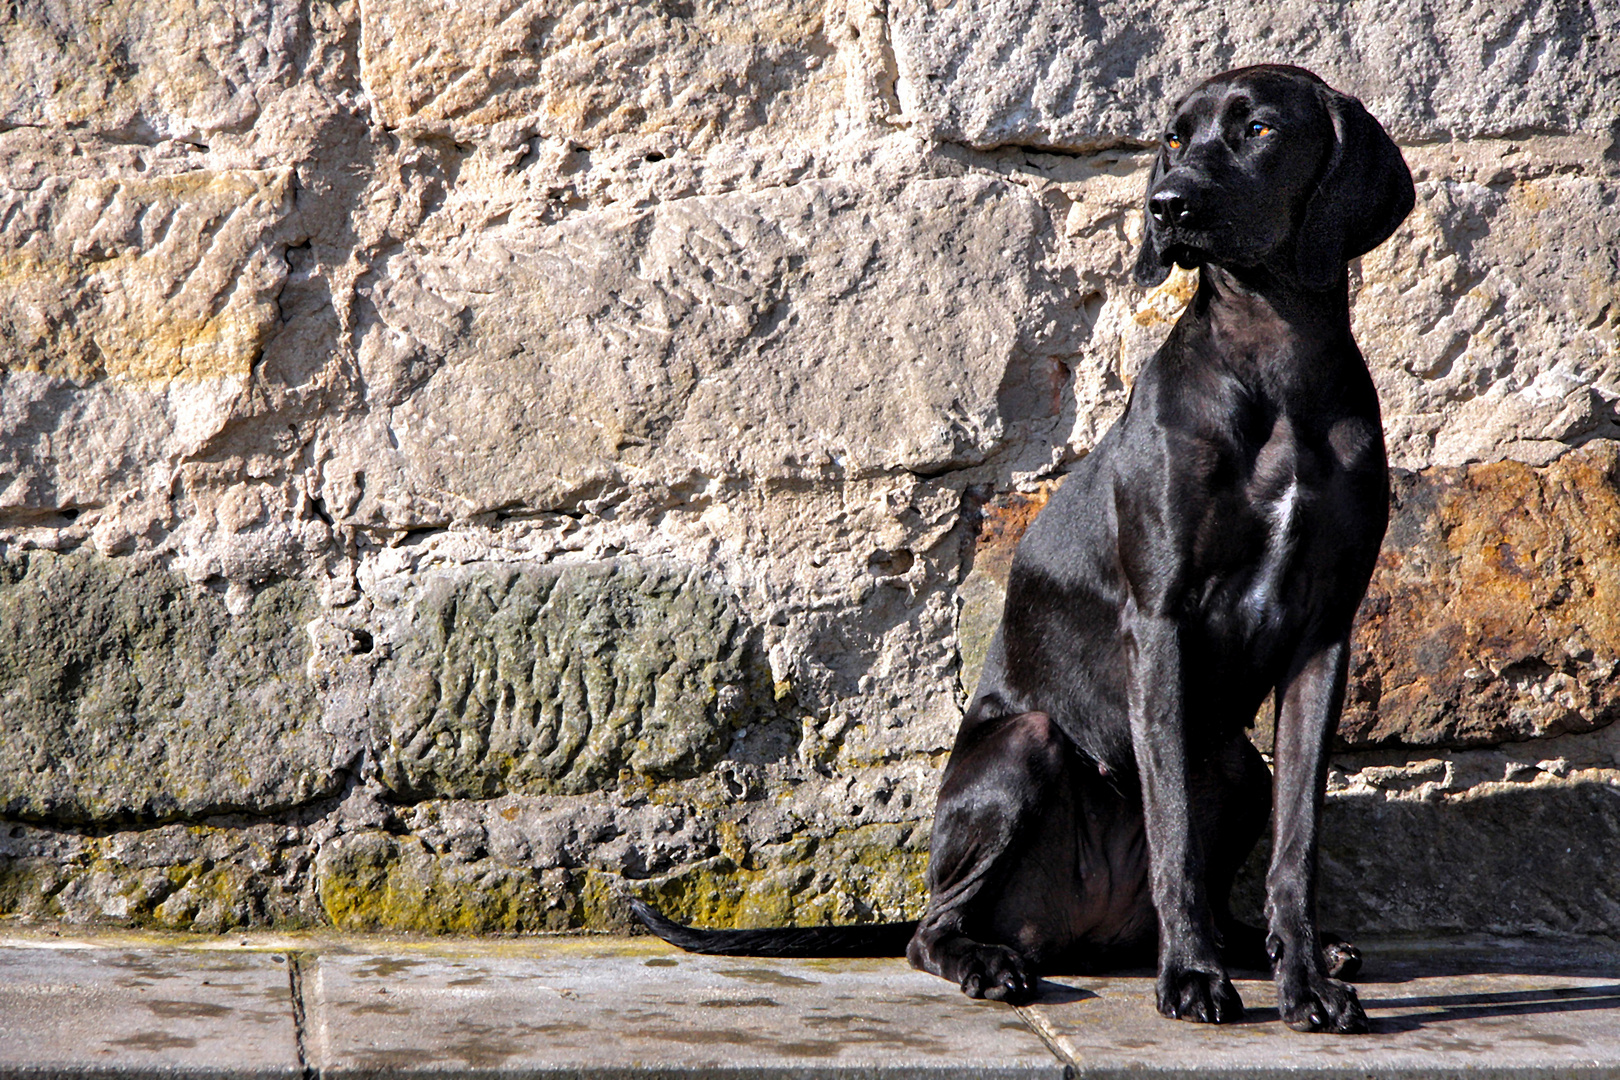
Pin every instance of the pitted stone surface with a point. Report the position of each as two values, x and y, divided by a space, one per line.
558 678
807 333
1495 609
142 70
684 74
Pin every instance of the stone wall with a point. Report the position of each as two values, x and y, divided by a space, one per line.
460 463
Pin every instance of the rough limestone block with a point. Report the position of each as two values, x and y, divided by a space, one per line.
146 69
1034 73
141 278
554 679
588 71
134 310
1491 319
1491 616
370 880
129 694
816 332
1505 858
1494 613
209 878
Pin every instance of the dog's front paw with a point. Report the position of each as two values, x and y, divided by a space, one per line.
1203 997
1323 1005
997 973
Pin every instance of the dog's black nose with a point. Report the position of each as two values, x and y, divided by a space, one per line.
1169 208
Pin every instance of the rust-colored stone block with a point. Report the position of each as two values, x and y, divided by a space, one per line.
1494 614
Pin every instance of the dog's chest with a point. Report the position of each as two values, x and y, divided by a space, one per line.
1257 535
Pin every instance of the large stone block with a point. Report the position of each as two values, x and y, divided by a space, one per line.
129 694
1491 319
556 679
1511 859
141 278
1507 840
145 69
1494 614
686 73
817 332
1037 73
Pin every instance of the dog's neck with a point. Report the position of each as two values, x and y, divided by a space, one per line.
1270 327
1259 296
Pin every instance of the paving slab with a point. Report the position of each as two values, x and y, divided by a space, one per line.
602 1009
145 1012
1435 1015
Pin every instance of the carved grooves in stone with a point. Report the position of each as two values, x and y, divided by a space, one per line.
555 680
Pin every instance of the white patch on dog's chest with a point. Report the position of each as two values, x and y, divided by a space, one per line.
1261 599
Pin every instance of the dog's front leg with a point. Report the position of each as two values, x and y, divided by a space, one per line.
1310 701
1192 981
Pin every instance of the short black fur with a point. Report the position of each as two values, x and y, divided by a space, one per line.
1210 551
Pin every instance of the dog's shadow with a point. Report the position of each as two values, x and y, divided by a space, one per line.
1056 993
1390 1013
1448 1008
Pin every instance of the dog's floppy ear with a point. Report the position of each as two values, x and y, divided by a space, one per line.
1150 269
1365 192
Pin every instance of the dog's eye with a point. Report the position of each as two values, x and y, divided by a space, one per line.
1258 129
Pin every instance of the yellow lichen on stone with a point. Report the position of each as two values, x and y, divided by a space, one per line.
1164 303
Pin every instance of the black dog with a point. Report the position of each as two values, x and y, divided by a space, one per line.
1212 549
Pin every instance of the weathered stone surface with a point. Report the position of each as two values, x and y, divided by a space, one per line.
1509 839
1037 74
127 693
230 875
141 278
685 74
146 69
557 678
324 307
1494 613
1490 319
1525 859
790 334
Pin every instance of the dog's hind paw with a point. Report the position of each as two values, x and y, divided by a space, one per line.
1203 997
1340 957
997 973
1326 1005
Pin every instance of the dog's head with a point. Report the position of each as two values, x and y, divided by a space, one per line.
1268 166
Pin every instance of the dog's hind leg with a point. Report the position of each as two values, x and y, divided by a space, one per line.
1036 858
1005 775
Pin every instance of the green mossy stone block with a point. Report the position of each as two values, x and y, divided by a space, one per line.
127 694
555 680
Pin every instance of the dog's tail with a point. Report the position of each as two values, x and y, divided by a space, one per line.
875 939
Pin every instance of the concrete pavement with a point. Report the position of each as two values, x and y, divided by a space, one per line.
355 1007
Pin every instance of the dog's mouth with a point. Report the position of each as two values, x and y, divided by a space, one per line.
1186 256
